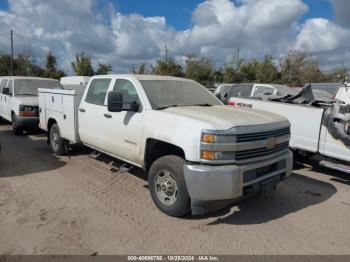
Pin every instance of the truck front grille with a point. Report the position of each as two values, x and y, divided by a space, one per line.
262 135
258 152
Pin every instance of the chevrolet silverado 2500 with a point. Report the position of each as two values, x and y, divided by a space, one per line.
199 154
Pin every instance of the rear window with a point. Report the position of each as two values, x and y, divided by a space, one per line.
241 90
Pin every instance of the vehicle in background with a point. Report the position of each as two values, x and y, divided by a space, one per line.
343 93
226 91
74 82
19 100
199 154
317 126
324 90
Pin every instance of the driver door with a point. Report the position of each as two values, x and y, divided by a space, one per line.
123 129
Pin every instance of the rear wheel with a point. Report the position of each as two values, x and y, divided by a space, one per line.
168 187
58 144
16 130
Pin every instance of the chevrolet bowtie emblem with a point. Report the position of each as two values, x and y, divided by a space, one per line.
271 142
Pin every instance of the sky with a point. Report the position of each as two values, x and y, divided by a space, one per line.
125 33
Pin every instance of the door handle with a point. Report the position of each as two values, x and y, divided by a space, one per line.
108 116
82 110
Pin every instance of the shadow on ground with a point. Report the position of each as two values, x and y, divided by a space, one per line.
292 195
22 155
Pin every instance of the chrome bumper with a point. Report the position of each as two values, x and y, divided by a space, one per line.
227 182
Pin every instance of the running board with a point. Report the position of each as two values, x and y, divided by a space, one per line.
125 168
335 166
95 154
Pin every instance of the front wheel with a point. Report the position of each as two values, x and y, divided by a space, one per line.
168 187
58 144
15 128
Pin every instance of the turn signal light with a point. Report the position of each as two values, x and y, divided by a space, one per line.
231 103
27 114
208 138
208 155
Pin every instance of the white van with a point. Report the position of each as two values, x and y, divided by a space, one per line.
19 100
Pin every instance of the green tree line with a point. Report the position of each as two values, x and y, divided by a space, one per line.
25 64
294 68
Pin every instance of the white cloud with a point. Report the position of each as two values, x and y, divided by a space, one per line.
218 28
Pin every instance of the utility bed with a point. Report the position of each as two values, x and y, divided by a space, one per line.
61 105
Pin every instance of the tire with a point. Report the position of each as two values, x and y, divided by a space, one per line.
18 131
59 145
168 187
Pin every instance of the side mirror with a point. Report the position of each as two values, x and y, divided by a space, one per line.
116 103
6 91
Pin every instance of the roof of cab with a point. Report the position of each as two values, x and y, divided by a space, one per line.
28 77
145 77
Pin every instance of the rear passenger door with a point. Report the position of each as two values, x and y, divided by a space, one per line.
91 112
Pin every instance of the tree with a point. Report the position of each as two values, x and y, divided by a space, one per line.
266 71
5 64
168 67
141 69
50 67
103 69
233 71
337 74
200 69
25 65
298 68
82 65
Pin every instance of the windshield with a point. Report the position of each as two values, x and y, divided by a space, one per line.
30 86
166 93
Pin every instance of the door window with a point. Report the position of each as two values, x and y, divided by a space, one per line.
98 91
127 89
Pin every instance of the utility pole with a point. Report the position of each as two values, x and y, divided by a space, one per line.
238 61
166 54
11 53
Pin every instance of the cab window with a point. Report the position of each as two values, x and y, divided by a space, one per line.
97 91
127 89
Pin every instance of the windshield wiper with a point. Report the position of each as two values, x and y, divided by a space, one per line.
165 107
26 95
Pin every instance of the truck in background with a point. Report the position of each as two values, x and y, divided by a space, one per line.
317 126
199 154
19 100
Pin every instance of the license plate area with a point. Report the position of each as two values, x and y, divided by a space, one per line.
269 185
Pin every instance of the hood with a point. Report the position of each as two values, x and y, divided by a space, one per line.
27 100
226 117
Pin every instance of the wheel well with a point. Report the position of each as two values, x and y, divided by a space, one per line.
156 149
49 125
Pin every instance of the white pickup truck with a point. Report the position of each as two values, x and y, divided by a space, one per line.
321 127
199 154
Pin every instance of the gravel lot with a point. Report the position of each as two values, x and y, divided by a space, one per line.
80 205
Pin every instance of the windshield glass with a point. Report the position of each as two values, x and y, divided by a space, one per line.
166 93
30 86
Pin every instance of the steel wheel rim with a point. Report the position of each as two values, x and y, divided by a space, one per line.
165 187
54 139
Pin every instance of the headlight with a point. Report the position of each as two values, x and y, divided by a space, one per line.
25 108
28 111
212 155
216 138
212 143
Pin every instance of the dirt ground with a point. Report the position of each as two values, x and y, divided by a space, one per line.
80 205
